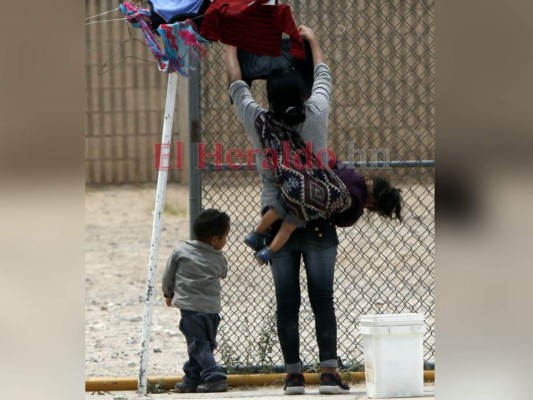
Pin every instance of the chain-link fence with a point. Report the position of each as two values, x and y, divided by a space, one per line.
381 54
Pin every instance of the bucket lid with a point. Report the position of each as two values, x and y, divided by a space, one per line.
391 319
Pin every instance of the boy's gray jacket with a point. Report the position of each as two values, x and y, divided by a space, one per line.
192 277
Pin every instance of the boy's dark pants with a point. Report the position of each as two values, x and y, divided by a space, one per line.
200 330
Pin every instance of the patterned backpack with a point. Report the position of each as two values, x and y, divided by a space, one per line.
310 190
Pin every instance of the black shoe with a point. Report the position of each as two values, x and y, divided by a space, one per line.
211 387
332 384
183 387
294 384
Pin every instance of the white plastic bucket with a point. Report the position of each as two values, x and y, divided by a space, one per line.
393 351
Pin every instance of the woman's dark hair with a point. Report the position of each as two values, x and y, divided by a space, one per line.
210 223
286 91
387 199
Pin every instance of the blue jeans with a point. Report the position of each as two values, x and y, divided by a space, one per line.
200 330
317 244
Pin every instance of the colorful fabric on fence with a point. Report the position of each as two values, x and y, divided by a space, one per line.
255 67
310 190
169 9
138 17
252 26
183 46
184 9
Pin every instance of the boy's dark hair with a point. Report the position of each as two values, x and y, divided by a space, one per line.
210 223
387 199
287 93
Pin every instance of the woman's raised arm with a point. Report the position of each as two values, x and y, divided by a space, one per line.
233 69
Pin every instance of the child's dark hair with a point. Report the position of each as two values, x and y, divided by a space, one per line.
210 223
286 91
387 199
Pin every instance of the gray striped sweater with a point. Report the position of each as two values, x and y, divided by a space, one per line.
313 129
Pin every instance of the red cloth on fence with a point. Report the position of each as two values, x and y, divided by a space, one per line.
252 26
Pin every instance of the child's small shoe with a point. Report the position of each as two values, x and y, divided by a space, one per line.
263 256
213 387
184 387
255 240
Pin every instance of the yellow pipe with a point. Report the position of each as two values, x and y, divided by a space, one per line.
110 384
117 384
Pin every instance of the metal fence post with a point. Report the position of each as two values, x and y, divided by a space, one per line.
156 230
195 184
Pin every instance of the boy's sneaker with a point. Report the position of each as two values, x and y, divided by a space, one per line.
332 384
255 240
183 387
263 256
211 387
294 384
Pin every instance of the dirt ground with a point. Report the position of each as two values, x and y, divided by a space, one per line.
118 234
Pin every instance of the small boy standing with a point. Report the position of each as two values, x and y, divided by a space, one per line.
191 282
